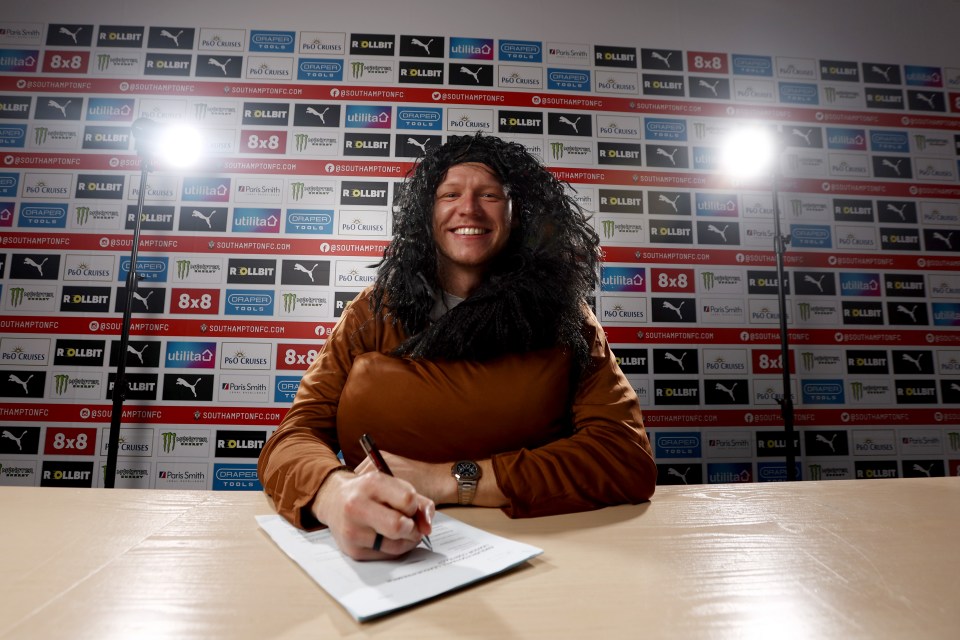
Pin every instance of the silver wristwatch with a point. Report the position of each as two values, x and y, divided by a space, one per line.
467 474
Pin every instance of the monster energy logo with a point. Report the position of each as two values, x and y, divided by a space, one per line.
16 296
816 471
804 308
609 226
797 207
357 69
954 437
709 280
40 135
183 269
169 441
857 389
289 302
301 141
60 382
296 190
556 150
921 141
699 130
83 215
200 111
103 61
830 93
807 359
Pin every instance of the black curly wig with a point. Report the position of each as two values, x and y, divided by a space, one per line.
534 291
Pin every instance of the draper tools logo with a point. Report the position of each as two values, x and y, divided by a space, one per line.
520 51
568 79
320 69
235 477
272 41
420 118
249 302
683 444
152 269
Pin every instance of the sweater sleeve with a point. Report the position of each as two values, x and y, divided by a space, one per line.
607 460
302 452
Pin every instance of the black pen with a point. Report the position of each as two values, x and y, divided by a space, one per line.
374 454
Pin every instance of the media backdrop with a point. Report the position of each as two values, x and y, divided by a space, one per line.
312 114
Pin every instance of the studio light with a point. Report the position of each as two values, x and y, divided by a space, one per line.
754 152
176 146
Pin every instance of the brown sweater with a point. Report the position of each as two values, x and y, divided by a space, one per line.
512 409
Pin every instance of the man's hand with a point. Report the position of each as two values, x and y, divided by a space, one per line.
358 507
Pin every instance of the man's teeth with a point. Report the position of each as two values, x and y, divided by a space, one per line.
471 231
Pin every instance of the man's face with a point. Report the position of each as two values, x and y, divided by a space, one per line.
472 221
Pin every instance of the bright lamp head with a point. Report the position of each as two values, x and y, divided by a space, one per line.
748 152
178 145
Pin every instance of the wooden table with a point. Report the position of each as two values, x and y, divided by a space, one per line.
841 559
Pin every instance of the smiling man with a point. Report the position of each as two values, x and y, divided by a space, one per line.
473 360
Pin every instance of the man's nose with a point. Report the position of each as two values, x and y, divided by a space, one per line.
469 204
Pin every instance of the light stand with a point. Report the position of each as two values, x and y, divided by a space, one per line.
786 402
751 151
144 131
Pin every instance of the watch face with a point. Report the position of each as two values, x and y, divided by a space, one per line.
466 469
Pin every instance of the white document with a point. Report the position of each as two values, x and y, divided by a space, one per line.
461 555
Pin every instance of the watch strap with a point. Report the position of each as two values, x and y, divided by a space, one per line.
466 491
